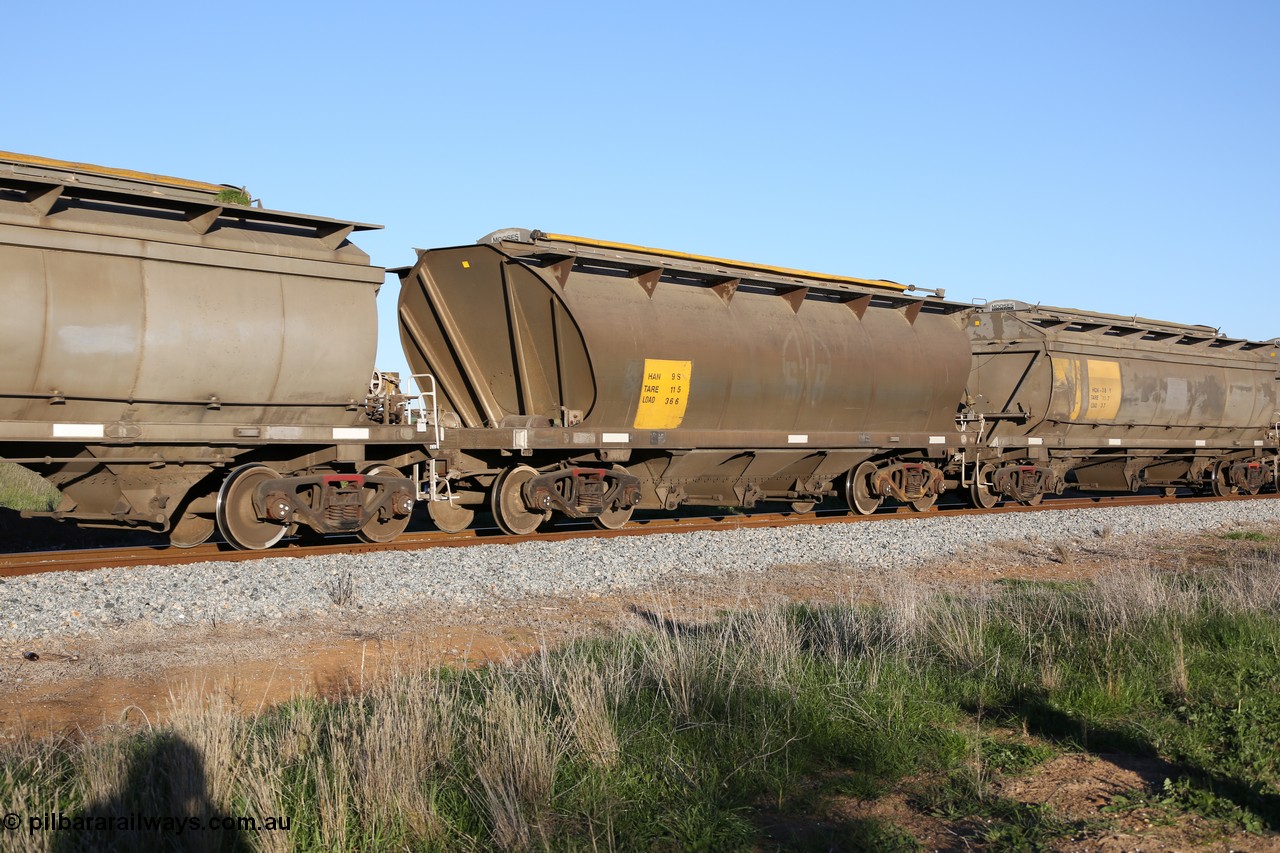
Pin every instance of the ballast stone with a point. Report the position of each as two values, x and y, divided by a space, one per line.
277 588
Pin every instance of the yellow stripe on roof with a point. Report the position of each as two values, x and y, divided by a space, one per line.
128 174
684 256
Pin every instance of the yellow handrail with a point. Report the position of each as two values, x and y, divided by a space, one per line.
128 174
667 253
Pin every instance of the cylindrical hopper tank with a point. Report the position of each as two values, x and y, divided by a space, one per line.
524 325
1080 374
131 298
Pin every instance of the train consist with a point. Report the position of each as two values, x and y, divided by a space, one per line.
181 362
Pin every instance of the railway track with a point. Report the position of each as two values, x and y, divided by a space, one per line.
36 562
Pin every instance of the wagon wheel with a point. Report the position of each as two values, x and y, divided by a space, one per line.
450 516
378 529
981 494
857 489
1034 500
1222 486
923 503
508 505
803 507
612 519
191 530
238 521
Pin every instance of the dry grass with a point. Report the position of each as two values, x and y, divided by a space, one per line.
583 689
23 489
429 759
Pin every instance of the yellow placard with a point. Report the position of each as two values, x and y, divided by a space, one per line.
1104 389
664 393
1091 386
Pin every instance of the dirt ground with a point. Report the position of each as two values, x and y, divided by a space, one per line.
70 686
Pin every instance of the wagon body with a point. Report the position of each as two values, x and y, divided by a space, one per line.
1129 401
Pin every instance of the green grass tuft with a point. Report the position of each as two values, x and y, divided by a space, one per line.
1247 536
231 195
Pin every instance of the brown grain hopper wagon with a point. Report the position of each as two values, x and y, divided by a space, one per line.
1100 402
158 336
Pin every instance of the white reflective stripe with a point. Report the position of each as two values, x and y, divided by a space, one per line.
620 437
1199 442
797 439
77 430
937 439
1034 440
1113 441
1257 442
520 438
350 432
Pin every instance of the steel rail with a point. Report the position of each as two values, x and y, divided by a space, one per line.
37 562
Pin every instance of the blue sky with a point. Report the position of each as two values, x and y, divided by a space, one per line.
1117 156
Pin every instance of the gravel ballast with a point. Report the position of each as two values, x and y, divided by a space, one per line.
272 589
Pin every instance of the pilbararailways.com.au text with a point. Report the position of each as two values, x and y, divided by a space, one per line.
138 822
